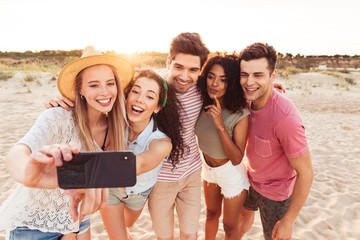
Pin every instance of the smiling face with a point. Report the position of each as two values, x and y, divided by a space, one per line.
98 86
184 71
216 82
256 81
142 100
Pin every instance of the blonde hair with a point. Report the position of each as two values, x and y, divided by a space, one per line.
116 118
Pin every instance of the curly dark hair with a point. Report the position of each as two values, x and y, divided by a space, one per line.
234 95
169 114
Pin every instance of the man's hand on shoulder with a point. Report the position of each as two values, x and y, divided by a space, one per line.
279 87
60 101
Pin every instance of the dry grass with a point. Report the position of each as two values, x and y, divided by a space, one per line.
5 75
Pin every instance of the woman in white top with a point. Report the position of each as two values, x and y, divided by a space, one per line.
151 105
96 123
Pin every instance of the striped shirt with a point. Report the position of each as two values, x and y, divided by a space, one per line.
189 112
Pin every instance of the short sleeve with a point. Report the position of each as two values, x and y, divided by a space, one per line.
48 129
233 119
291 133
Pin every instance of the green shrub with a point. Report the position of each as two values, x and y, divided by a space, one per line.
29 78
6 75
349 80
344 71
286 72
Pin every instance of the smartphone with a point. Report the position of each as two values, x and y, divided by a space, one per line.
98 170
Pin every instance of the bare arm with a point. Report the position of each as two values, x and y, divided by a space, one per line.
302 165
38 168
148 160
233 149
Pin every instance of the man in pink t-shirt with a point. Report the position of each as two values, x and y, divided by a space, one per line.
279 164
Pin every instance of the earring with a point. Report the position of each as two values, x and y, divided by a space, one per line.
82 97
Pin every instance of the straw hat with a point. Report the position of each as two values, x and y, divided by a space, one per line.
90 57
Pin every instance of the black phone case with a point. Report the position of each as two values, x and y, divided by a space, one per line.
98 170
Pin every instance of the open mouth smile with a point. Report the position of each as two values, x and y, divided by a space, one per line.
182 83
137 109
251 90
104 101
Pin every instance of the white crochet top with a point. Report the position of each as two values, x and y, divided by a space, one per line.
42 209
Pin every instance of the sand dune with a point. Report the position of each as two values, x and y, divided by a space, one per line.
330 108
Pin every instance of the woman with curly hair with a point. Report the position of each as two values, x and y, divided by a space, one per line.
150 106
222 132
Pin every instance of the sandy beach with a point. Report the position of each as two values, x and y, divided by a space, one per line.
330 108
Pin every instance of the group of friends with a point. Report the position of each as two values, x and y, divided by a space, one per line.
225 104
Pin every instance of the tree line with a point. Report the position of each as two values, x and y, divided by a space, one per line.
77 53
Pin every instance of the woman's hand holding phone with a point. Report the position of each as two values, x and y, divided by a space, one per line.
40 170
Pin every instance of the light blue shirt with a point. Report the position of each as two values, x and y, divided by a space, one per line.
140 144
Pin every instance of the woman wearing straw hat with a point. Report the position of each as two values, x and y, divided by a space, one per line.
37 209
150 106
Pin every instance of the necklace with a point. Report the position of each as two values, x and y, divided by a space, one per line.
106 133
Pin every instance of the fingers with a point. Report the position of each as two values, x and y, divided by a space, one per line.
66 152
74 147
52 151
91 200
56 153
75 199
217 102
59 101
279 87
66 101
213 110
274 231
104 197
52 103
94 200
40 157
62 103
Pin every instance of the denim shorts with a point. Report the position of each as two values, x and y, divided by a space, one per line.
22 233
133 201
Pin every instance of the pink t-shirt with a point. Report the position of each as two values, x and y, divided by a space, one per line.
276 133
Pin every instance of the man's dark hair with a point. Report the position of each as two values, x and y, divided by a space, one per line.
260 50
188 43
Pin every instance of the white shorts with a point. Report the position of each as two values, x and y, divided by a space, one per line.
231 179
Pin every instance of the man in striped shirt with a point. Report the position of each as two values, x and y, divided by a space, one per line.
180 186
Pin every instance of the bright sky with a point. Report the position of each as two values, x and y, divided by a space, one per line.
309 27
